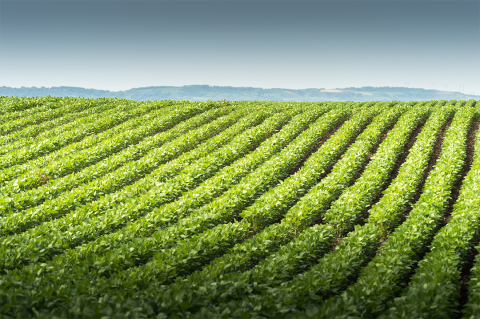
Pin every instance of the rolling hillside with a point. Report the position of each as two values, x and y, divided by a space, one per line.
113 208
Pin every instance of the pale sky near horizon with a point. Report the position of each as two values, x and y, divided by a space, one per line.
117 44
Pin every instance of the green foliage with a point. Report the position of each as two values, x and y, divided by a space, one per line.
172 209
382 277
434 289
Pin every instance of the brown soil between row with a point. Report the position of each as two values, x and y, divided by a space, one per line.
466 271
317 146
437 148
400 161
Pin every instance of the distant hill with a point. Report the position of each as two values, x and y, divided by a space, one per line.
206 92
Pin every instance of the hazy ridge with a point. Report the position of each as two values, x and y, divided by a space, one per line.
206 92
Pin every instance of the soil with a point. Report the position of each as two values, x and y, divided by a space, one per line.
465 275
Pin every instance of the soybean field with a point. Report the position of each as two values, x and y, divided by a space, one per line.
113 208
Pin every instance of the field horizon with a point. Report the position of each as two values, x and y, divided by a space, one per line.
217 93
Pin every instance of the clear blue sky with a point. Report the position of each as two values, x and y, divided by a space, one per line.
117 45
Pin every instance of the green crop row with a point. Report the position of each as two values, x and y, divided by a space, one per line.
53 232
472 308
71 112
351 206
112 208
206 192
201 170
307 140
62 125
361 244
163 173
42 105
217 239
37 164
80 163
279 300
434 290
83 127
470 103
56 228
146 221
278 201
381 278
17 104
227 207
57 169
16 221
314 166
331 268
8 127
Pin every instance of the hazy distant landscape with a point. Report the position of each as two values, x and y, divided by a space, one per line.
215 93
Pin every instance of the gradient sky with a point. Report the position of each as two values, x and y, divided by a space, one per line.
117 45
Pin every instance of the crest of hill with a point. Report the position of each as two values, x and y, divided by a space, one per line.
207 92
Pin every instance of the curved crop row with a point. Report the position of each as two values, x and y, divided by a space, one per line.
210 243
270 146
185 257
351 206
375 286
44 104
135 207
225 287
278 201
34 130
57 169
361 244
16 104
434 289
472 308
40 117
84 172
207 191
163 173
15 204
38 163
83 128
270 274
126 174
260 305
313 169
304 140
248 209
180 210
191 177
62 125
26 136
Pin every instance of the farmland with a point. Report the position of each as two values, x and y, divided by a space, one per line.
176 209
